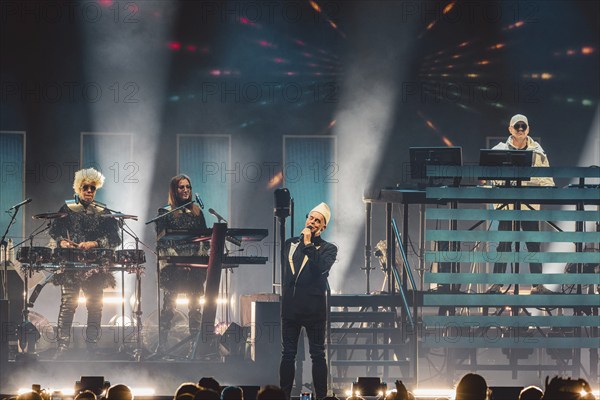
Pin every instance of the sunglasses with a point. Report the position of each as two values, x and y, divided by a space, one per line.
520 125
89 187
184 187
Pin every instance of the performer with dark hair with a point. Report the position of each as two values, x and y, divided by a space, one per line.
304 302
175 279
519 139
80 230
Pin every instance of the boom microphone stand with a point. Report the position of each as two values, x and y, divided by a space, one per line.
138 269
4 244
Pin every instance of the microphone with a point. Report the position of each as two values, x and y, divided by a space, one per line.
76 199
199 201
26 201
216 214
301 237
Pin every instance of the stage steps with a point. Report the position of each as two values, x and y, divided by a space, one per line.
364 338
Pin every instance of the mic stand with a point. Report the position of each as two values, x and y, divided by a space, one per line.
300 358
38 288
28 334
281 251
281 211
274 273
281 217
292 205
168 212
4 244
121 224
138 269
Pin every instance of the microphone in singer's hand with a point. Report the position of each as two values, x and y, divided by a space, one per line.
301 237
200 203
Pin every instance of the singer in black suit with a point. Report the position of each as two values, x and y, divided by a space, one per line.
303 303
180 278
83 229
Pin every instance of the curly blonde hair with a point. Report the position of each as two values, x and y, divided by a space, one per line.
89 176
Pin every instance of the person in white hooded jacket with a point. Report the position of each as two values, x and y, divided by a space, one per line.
519 139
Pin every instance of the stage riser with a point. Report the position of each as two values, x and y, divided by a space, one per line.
511 279
500 300
522 342
436 321
108 337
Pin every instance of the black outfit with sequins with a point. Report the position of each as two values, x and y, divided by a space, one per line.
175 279
83 224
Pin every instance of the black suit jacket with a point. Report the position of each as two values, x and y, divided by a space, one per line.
304 287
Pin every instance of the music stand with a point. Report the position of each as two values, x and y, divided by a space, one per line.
422 157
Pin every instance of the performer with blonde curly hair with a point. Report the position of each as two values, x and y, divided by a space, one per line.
83 229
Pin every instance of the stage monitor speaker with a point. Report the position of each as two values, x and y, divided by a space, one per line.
506 392
246 301
233 341
266 335
96 384
4 336
15 296
250 392
369 386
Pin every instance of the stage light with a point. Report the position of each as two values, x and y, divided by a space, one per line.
176 46
182 300
449 393
96 384
143 391
369 386
117 320
113 300
105 300
587 50
63 392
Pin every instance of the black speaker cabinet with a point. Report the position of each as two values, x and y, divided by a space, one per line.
15 297
265 336
4 334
